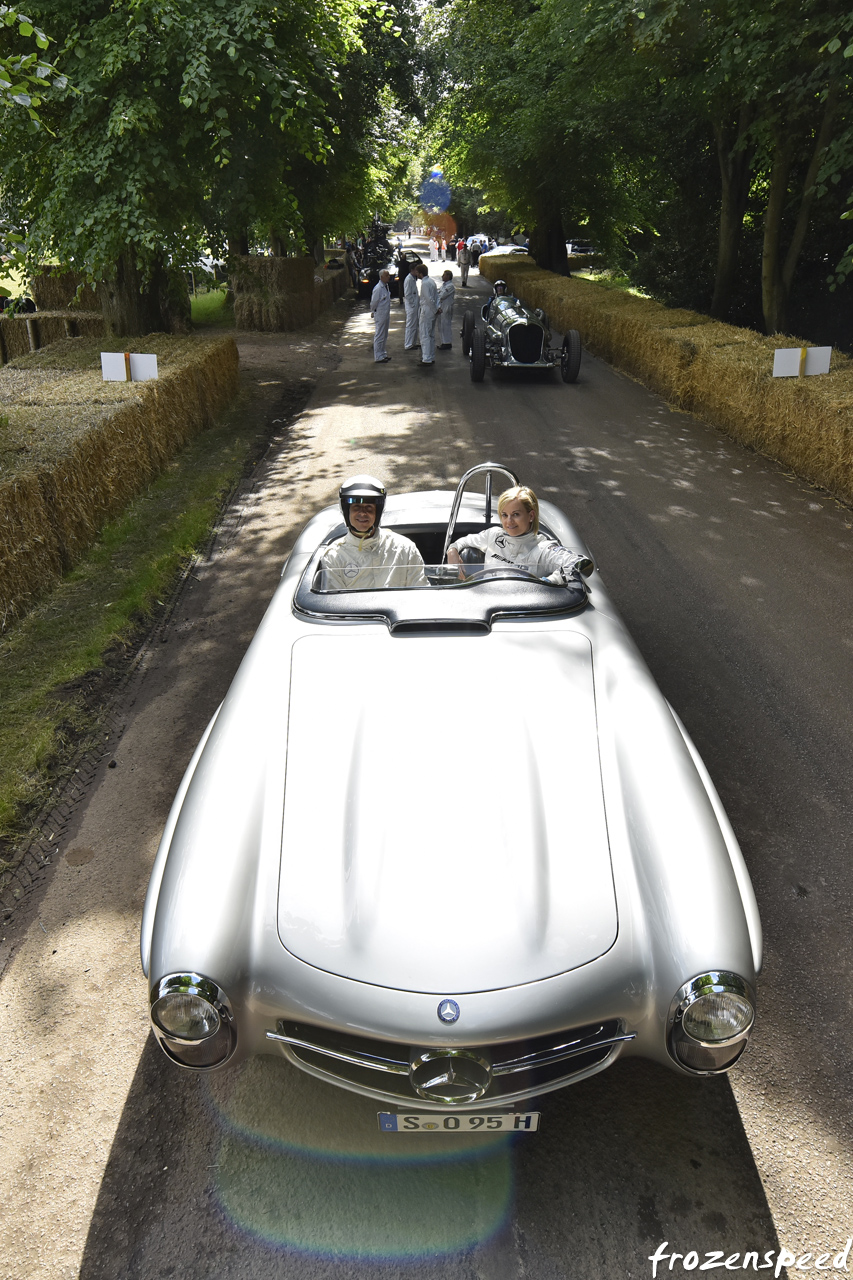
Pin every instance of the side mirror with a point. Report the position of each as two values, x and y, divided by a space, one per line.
586 566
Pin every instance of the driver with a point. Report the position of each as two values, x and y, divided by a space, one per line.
501 291
368 556
519 544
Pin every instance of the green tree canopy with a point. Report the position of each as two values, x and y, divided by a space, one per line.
191 122
602 114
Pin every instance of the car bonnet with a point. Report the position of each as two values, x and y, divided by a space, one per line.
444 826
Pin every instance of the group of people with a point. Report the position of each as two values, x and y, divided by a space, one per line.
426 303
370 556
437 248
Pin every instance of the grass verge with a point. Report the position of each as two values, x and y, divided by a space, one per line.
55 665
212 309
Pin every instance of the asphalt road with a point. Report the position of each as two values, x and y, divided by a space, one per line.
735 579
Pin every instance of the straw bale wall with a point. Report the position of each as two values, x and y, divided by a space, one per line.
47 327
718 371
278 294
30 561
57 291
74 450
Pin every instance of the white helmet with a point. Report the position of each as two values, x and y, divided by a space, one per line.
359 489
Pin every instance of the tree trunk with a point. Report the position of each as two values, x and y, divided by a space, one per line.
822 141
773 299
777 277
735 167
133 305
238 244
548 240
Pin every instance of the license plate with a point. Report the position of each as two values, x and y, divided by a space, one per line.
453 1122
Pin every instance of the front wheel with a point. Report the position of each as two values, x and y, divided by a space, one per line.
478 355
467 331
570 358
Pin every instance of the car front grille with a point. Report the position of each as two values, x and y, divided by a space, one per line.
525 342
519 1067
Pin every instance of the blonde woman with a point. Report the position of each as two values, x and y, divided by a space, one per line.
518 544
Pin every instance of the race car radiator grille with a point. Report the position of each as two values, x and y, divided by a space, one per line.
525 342
520 1067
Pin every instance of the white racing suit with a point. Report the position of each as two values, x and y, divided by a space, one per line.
410 297
446 297
534 552
426 319
380 308
384 560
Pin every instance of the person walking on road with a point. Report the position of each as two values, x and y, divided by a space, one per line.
446 297
380 311
463 261
428 307
410 297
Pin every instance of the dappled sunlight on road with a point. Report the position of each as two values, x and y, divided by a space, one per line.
716 559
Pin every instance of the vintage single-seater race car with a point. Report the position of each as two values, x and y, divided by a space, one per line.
514 336
447 845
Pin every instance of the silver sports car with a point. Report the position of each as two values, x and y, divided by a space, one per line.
515 336
447 845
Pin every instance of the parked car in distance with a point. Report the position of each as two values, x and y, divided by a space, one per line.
502 250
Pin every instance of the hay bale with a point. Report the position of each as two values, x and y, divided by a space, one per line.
78 449
718 371
14 336
30 563
280 294
127 445
48 327
53 326
55 290
88 324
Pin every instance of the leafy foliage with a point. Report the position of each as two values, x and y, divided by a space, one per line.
170 93
677 120
204 123
25 77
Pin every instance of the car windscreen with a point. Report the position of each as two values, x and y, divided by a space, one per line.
355 577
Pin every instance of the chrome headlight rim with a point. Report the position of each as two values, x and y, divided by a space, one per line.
194 984
713 982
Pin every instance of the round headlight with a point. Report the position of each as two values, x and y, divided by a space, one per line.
717 1016
185 1016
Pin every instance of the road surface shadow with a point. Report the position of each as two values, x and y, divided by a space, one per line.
265 1171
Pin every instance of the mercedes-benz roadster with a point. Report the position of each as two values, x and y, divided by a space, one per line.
447 845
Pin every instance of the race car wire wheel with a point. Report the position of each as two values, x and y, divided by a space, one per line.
570 357
525 342
478 355
467 331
